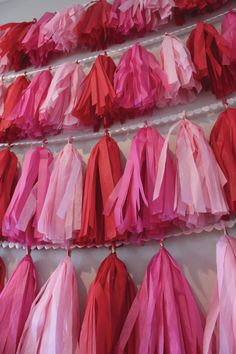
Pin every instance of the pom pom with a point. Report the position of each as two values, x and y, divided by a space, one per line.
176 62
15 302
109 301
102 174
164 316
208 48
61 212
53 322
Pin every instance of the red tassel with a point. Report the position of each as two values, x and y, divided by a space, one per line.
110 298
103 173
223 142
8 131
93 28
97 99
207 49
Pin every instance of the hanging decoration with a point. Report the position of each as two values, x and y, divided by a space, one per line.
228 31
2 274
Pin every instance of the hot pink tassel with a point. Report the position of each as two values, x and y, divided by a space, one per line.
26 204
15 302
26 113
164 315
199 196
62 207
53 110
61 28
177 64
132 198
139 81
131 16
53 322
37 53
221 318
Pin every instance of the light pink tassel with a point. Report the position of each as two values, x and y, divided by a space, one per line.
177 64
61 28
56 105
53 324
61 212
221 318
164 315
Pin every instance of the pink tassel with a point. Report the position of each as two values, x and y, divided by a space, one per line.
61 28
61 212
37 53
177 64
26 204
26 113
53 322
132 16
221 319
53 110
15 301
132 198
139 81
164 315
228 30
199 197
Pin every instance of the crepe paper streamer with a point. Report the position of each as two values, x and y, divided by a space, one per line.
15 302
53 323
164 317
109 301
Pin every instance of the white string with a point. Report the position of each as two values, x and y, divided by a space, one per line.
212 108
117 52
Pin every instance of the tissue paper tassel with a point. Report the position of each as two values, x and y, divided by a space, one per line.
61 212
93 29
60 28
219 334
52 112
164 317
109 301
53 322
222 140
15 302
38 53
228 31
208 50
199 194
132 202
22 215
129 17
102 174
12 53
2 274
26 113
8 179
176 62
97 102
8 130
139 81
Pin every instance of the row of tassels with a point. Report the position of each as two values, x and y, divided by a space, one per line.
163 317
53 203
97 26
139 83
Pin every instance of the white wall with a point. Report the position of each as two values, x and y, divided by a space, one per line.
195 253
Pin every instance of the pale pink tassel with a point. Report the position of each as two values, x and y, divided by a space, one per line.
61 212
61 28
164 315
221 318
199 194
22 215
53 324
52 112
177 64
132 198
15 301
